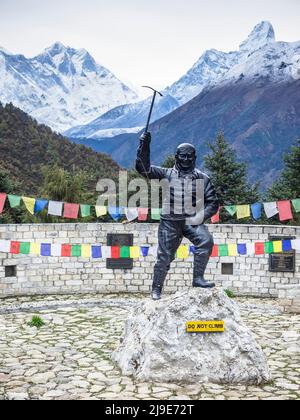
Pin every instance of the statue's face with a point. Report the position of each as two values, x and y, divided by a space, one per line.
186 157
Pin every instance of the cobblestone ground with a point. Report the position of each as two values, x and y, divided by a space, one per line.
69 357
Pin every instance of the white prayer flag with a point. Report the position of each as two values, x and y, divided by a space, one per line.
106 252
56 250
55 208
153 251
131 214
4 246
271 209
296 244
250 249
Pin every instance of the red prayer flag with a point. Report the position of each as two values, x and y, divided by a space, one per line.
2 201
215 251
66 250
15 247
259 248
115 252
216 217
285 210
71 211
143 214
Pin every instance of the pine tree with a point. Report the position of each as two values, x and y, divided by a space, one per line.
229 176
288 185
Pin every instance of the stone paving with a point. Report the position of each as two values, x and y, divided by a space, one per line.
69 357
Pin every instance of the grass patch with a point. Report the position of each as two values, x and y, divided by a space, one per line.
230 293
37 322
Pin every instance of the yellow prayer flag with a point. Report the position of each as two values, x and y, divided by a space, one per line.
232 250
135 252
243 211
86 251
183 252
29 203
35 248
101 211
278 246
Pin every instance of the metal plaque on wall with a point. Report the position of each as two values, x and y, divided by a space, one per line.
119 239
284 262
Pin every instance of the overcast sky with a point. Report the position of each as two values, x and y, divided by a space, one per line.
143 41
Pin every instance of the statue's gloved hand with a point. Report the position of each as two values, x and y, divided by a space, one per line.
146 137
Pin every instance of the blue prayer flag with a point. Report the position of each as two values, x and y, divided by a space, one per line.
192 249
40 205
242 249
46 250
256 210
115 212
145 251
287 245
96 252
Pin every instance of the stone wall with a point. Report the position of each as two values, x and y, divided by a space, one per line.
289 298
45 275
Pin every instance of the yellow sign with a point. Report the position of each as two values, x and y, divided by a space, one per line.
205 326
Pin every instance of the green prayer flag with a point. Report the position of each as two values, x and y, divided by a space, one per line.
155 214
269 248
296 205
76 251
85 210
14 200
125 252
223 250
231 210
24 248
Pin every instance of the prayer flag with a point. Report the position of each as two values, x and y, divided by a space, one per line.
216 217
76 251
106 252
285 210
156 214
96 251
55 208
143 214
278 246
35 248
86 251
231 210
296 205
125 252
256 211
269 248
56 250
71 211
115 252
66 250
192 249
215 251
232 250
296 244
183 252
46 250
271 209
29 204
242 249
15 247
40 205
2 201
24 248
135 252
101 211
5 246
145 251
115 213
287 245
250 249
14 201
223 250
131 214
259 248
243 211
85 210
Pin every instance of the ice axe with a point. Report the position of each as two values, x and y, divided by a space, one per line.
152 104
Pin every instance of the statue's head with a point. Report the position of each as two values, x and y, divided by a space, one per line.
186 157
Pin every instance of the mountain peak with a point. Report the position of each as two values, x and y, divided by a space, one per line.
56 48
262 34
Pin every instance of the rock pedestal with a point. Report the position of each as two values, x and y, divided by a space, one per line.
156 347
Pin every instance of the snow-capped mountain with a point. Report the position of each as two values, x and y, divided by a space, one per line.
61 87
258 55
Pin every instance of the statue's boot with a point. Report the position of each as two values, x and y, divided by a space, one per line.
200 265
